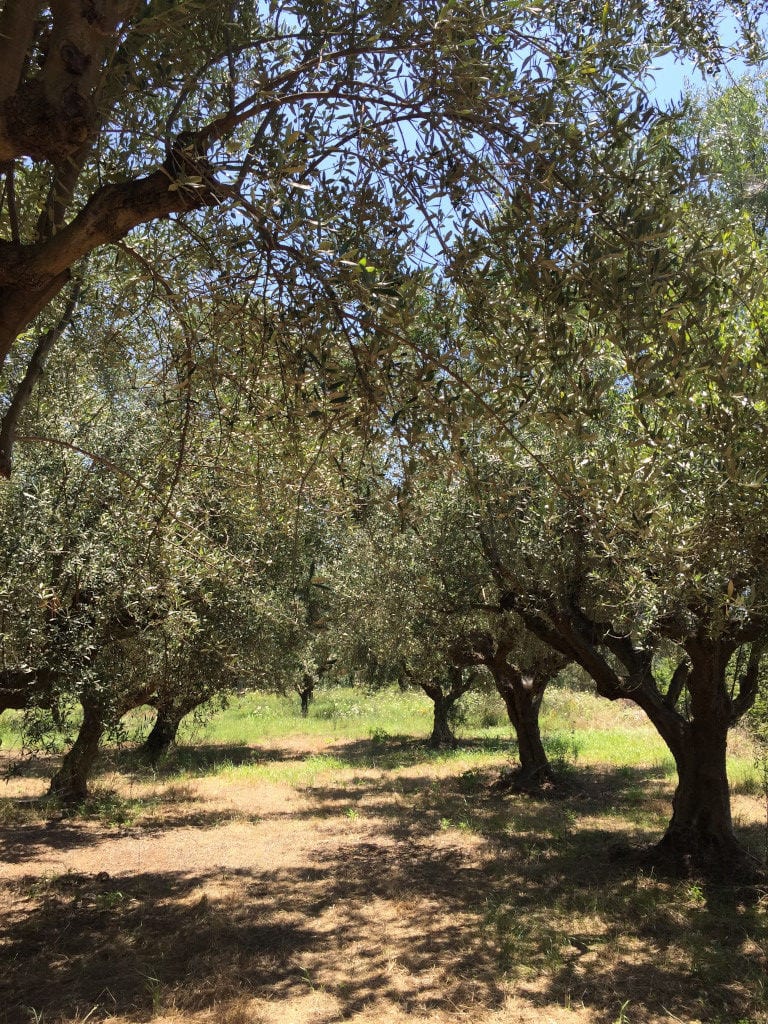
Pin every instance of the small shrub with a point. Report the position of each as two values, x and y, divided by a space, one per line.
562 748
330 709
482 710
379 735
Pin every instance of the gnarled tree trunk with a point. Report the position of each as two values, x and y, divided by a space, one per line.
700 835
70 783
306 693
163 733
522 697
444 700
442 734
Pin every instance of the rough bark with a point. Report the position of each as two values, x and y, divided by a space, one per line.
700 835
443 701
162 735
17 27
522 697
442 735
306 693
48 115
70 783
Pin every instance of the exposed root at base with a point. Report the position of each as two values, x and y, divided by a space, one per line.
731 865
515 780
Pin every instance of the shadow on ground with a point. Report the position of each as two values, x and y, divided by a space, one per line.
438 898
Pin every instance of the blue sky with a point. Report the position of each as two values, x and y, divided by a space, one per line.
673 78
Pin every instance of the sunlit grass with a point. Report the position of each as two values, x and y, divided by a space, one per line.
391 726
10 730
339 712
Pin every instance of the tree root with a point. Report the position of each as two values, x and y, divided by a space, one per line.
516 780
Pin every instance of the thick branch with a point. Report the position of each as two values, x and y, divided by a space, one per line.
62 190
20 306
51 115
112 212
24 391
35 274
748 683
21 688
677 683
17 29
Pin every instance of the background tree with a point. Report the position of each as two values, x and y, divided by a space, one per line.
159 526
422 608
521 668
401 622
633 512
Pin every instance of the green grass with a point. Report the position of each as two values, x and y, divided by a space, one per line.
10 729
339 712
382 730
578 728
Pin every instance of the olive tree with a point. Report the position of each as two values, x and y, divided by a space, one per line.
150 516
633 516
306 148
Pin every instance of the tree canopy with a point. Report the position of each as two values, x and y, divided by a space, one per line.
252 254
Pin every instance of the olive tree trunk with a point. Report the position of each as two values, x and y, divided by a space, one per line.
442 735
306 693
522 697
163 733
444 701
70 783
700 835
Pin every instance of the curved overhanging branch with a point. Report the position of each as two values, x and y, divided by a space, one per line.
35 274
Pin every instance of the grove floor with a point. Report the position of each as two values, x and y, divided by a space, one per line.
304 881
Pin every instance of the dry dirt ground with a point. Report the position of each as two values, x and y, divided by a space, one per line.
361 895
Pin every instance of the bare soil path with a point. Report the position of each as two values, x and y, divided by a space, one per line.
365 895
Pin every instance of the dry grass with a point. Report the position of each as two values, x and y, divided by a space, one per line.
376 885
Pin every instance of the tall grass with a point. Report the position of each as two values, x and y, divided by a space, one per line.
577 727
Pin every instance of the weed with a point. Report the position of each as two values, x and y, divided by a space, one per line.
462 825
154 989
112 809
623 1018
562 748
109 900
696 895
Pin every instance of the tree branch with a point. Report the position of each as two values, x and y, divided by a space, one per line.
17 30
24 390
749 682
677 683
